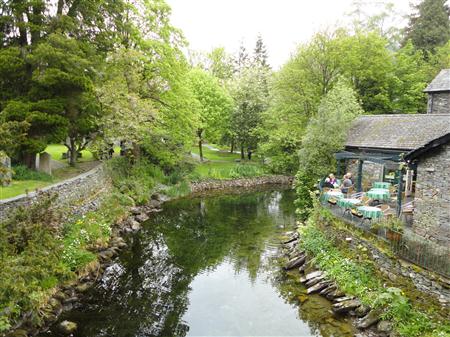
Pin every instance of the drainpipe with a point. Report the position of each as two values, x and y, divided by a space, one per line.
359 181
399 194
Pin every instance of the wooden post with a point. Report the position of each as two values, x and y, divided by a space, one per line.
399 193
359 181
338 168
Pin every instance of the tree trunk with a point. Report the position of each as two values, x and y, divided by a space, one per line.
200 148
232 146
136 152
73 155
29 160
200 143
242 152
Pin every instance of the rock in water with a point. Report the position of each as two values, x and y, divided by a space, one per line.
310 276
67 327
319 286
346 306
370 319
294 263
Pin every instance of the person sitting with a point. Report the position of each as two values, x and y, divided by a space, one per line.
346 184
350 176
331 181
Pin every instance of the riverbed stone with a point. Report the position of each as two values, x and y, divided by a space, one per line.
294 263
311 275
315 280
345 306
384 326
141 217
362 310
67 327
317 287
370 319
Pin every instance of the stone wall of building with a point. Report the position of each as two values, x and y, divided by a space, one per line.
432 200
76 195
439 103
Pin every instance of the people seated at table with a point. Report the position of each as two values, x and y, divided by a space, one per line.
331 181
346 184
350 177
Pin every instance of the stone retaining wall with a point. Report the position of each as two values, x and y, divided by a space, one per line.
394 268
210 185
79 194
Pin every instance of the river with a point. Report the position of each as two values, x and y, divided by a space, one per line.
206 266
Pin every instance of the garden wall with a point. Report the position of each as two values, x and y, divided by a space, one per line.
209 185
77 195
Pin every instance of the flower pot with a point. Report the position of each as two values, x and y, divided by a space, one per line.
393 235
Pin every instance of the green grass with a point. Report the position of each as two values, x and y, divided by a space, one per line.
216 155
20 187
56 151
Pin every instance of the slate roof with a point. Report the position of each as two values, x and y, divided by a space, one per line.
405 132
440 83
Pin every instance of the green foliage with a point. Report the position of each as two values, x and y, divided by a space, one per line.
21 172
325 135
429 25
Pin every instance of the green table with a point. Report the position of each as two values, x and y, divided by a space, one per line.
382 184
332 194
370 212
379 194
348 202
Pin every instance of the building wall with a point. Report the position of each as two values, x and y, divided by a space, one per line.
439 103
432 200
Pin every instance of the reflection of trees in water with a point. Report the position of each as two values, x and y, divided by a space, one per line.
147 294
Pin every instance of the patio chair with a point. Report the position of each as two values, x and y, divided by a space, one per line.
387 210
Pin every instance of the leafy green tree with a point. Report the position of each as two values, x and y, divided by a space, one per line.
260 56
221 64
214 106
429 25
64 72
250 101
325 135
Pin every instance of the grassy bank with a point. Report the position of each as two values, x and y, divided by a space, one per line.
357 275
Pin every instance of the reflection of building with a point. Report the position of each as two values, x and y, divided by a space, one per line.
376 146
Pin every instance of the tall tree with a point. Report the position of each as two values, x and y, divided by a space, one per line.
260 56
325 134
214 106
429 25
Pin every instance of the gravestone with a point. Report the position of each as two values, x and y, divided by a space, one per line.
45 163
5 170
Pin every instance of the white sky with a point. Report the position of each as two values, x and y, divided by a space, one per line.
282 23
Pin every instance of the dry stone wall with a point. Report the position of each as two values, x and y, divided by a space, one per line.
439 103
79 194
432 200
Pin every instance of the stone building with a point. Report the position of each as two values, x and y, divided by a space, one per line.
378 145
439 93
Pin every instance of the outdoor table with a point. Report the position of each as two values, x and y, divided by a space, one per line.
332 194
379 194
381 184
370 212
348 202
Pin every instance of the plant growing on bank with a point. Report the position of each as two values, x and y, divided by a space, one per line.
356 275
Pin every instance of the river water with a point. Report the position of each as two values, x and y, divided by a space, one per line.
207 266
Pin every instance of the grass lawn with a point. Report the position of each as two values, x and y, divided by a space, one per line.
223 165
56 151
22 186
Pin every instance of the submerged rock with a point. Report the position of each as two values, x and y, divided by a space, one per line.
67 327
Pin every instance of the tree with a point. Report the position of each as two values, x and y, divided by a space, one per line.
250 101
214 106
220 64
429 26
260 56
325 135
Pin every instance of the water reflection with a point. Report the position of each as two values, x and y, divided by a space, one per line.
204 267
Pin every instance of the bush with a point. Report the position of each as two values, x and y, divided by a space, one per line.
22 172
245 171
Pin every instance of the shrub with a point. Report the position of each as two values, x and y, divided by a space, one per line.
22 172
